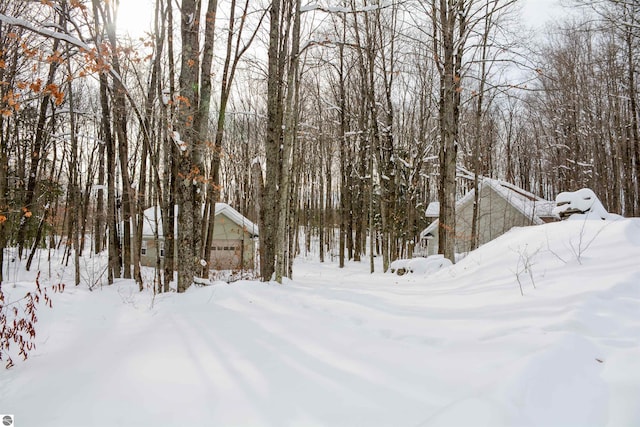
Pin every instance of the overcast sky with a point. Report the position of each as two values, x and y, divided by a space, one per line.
136 14
539 12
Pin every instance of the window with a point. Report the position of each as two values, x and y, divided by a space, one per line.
143 249
161 249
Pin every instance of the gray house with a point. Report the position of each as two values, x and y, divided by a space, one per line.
234 245
502 206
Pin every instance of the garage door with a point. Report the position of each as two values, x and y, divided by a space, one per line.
226 254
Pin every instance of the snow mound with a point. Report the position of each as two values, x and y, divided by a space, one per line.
552 247
581 204
419 265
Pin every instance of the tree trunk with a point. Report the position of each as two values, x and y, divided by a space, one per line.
171 165
203 132
449 35
189 171
478 116
268 211
290 131
342 102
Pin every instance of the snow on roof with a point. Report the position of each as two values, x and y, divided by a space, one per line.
433 210
221 208
525 202
149 223
431 229
237 217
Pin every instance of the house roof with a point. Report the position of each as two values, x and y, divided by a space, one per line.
527 203
433 210
530 205
237 217
431 229
148 228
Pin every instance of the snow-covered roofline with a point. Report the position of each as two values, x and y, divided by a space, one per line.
528 204
221 209
433 210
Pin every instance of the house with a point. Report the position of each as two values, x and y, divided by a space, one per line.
502 206
234 245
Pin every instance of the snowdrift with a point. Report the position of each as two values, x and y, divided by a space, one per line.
419 265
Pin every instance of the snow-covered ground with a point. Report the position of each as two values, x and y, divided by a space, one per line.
540 327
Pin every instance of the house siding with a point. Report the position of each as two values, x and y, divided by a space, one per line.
149 255
233 248
228 234
496 217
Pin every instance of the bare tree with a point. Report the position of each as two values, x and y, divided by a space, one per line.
284 47
191 135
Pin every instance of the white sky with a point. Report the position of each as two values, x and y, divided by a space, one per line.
538 12
135 15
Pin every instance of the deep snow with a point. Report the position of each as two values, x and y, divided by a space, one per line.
460 347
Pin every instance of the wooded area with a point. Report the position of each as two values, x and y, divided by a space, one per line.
331 124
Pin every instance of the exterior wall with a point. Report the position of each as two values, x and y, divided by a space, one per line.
239 246
148 257
428 246
432 244
496 217
232 247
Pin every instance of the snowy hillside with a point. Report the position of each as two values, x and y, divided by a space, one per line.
540 327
